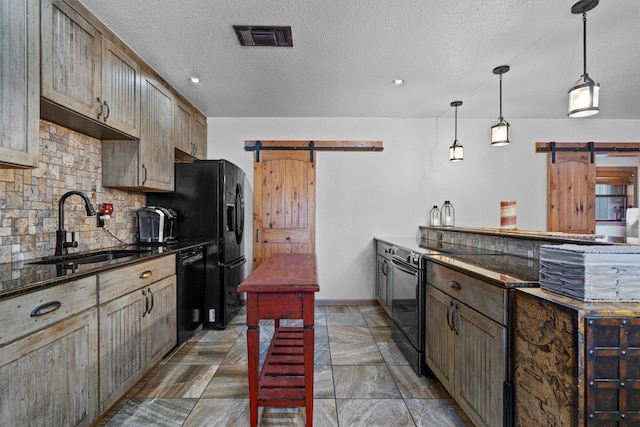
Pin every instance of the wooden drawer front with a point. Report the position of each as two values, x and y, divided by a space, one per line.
383 248
483 297
70 298
118 282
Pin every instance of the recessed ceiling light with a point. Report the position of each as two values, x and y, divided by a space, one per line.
398 82
195 79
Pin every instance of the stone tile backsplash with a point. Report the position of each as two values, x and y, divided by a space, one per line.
29 198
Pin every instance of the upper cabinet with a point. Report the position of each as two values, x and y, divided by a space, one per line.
190 131
19 83
145 164
199 135
88 82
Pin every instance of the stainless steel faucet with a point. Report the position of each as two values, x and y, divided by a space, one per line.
61 233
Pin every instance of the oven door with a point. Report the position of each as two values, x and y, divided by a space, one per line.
407 303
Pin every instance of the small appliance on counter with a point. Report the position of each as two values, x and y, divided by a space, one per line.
156 225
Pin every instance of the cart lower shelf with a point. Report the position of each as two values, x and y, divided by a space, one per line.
282 380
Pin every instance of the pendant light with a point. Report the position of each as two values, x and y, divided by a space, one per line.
584 97
500 131
455 151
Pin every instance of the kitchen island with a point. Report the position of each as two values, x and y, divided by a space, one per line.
281 288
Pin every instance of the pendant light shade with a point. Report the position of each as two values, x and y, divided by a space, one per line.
456 150
500 131
584 98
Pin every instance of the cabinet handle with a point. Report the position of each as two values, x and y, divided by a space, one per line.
152 304
146 274
385 267
146 303
108 111
257 230
101 107
449 314
456 315
46 308
144 168
454 285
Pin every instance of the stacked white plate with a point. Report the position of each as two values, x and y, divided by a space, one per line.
591 272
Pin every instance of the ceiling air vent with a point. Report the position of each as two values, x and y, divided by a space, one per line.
254 35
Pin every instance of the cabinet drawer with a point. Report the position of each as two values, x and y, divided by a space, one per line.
56 303
483 297
383 249
115 283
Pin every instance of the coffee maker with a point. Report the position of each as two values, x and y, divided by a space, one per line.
156 225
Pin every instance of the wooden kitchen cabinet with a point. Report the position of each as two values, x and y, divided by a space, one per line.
189 131
199 135
183 116
19 83
138 323
576 363
49 356
384 275
145 164
89 82
466 341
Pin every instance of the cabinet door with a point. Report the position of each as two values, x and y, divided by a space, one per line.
50 377
481 366
199 135
160 320
19 82
120 90
71 55
439 340
382 272
122 346
156 146
183 116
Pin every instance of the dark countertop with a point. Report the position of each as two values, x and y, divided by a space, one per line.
21 277
493 266
506 270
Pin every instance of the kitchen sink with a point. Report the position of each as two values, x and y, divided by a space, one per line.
90 258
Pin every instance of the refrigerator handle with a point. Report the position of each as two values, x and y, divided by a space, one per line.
237 263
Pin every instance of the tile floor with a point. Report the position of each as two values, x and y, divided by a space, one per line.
361 379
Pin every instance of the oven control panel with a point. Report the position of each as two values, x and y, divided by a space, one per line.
405 255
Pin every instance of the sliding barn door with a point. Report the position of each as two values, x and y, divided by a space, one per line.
284 204
571 193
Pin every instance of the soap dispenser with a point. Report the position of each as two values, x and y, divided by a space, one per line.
434 217
447 215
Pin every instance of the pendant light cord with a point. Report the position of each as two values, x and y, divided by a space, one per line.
584 45
455 137
500 119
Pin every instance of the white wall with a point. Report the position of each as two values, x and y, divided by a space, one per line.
389 193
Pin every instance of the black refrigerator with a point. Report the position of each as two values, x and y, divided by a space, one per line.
209 202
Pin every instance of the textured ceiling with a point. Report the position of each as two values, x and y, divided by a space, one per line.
347 52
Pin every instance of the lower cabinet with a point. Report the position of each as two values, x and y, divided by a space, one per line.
384 275
467 352
49 378
467 342
69 352
136 331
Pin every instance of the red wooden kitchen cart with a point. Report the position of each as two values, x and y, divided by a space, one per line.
282 287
